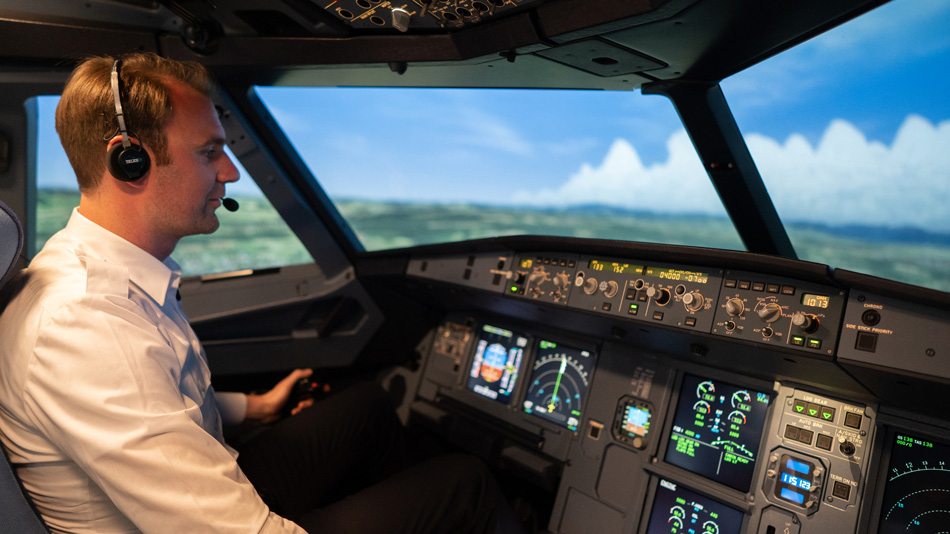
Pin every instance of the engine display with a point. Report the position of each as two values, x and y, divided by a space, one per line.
497 363
917 490
716 431
559 383
677 510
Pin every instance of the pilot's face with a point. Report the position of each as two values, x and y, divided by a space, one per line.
186 192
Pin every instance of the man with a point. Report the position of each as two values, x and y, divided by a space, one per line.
106 408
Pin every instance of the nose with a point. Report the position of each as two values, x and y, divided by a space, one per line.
227 171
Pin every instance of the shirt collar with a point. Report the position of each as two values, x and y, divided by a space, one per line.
157 278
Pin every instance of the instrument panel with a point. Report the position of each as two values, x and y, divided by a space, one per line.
635 434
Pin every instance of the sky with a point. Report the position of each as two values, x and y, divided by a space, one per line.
850 127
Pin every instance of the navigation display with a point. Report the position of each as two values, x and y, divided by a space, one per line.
917 490
716 431
559 382
497 363
677 510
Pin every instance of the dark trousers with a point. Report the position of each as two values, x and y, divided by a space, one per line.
340 466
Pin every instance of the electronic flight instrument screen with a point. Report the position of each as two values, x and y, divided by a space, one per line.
559 382
497 362
917 490
677 510
716 431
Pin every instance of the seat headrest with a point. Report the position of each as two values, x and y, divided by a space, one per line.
11 240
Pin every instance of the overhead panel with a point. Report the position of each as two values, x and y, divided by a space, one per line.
421 14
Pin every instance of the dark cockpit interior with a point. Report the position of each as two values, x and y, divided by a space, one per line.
615 382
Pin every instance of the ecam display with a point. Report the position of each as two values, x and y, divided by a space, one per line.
717 429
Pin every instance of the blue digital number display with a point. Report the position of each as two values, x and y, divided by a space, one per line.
796 479
798 482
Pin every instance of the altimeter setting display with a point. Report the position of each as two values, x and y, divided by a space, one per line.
717 429
559 382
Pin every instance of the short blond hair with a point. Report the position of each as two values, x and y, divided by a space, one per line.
86 115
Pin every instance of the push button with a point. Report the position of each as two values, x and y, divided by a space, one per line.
841 490
852 420
804 436
824 441
867 341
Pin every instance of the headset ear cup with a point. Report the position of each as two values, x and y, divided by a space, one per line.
127 164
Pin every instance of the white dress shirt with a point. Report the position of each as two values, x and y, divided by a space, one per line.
106 406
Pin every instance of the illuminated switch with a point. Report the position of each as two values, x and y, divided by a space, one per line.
797 340
814 343
824 441
772 288
730 283
605 306
813 410
743 284
827 413
658 316
690 321
633 309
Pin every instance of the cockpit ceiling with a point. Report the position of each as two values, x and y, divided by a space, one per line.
607 44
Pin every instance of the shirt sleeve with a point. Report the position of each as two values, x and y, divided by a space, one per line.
104 386
233 407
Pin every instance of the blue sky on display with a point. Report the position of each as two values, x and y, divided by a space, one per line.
845 128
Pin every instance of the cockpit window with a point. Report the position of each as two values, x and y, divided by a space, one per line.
416 166
851 133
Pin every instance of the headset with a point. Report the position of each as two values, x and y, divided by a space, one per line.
127 162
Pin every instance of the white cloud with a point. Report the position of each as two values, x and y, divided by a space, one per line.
678 184
845 179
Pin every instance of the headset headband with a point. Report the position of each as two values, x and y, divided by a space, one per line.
119 116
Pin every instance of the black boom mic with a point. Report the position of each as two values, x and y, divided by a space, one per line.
230 204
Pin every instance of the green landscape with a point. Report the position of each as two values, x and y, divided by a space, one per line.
256 237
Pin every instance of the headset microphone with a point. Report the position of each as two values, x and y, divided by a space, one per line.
230 204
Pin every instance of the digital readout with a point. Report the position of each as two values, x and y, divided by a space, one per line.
614 267
678 275
815 301
797 477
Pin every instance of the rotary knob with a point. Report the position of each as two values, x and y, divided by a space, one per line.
659 295
770 313
806 321
590 285
734 307
693 301
609 288
561 281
